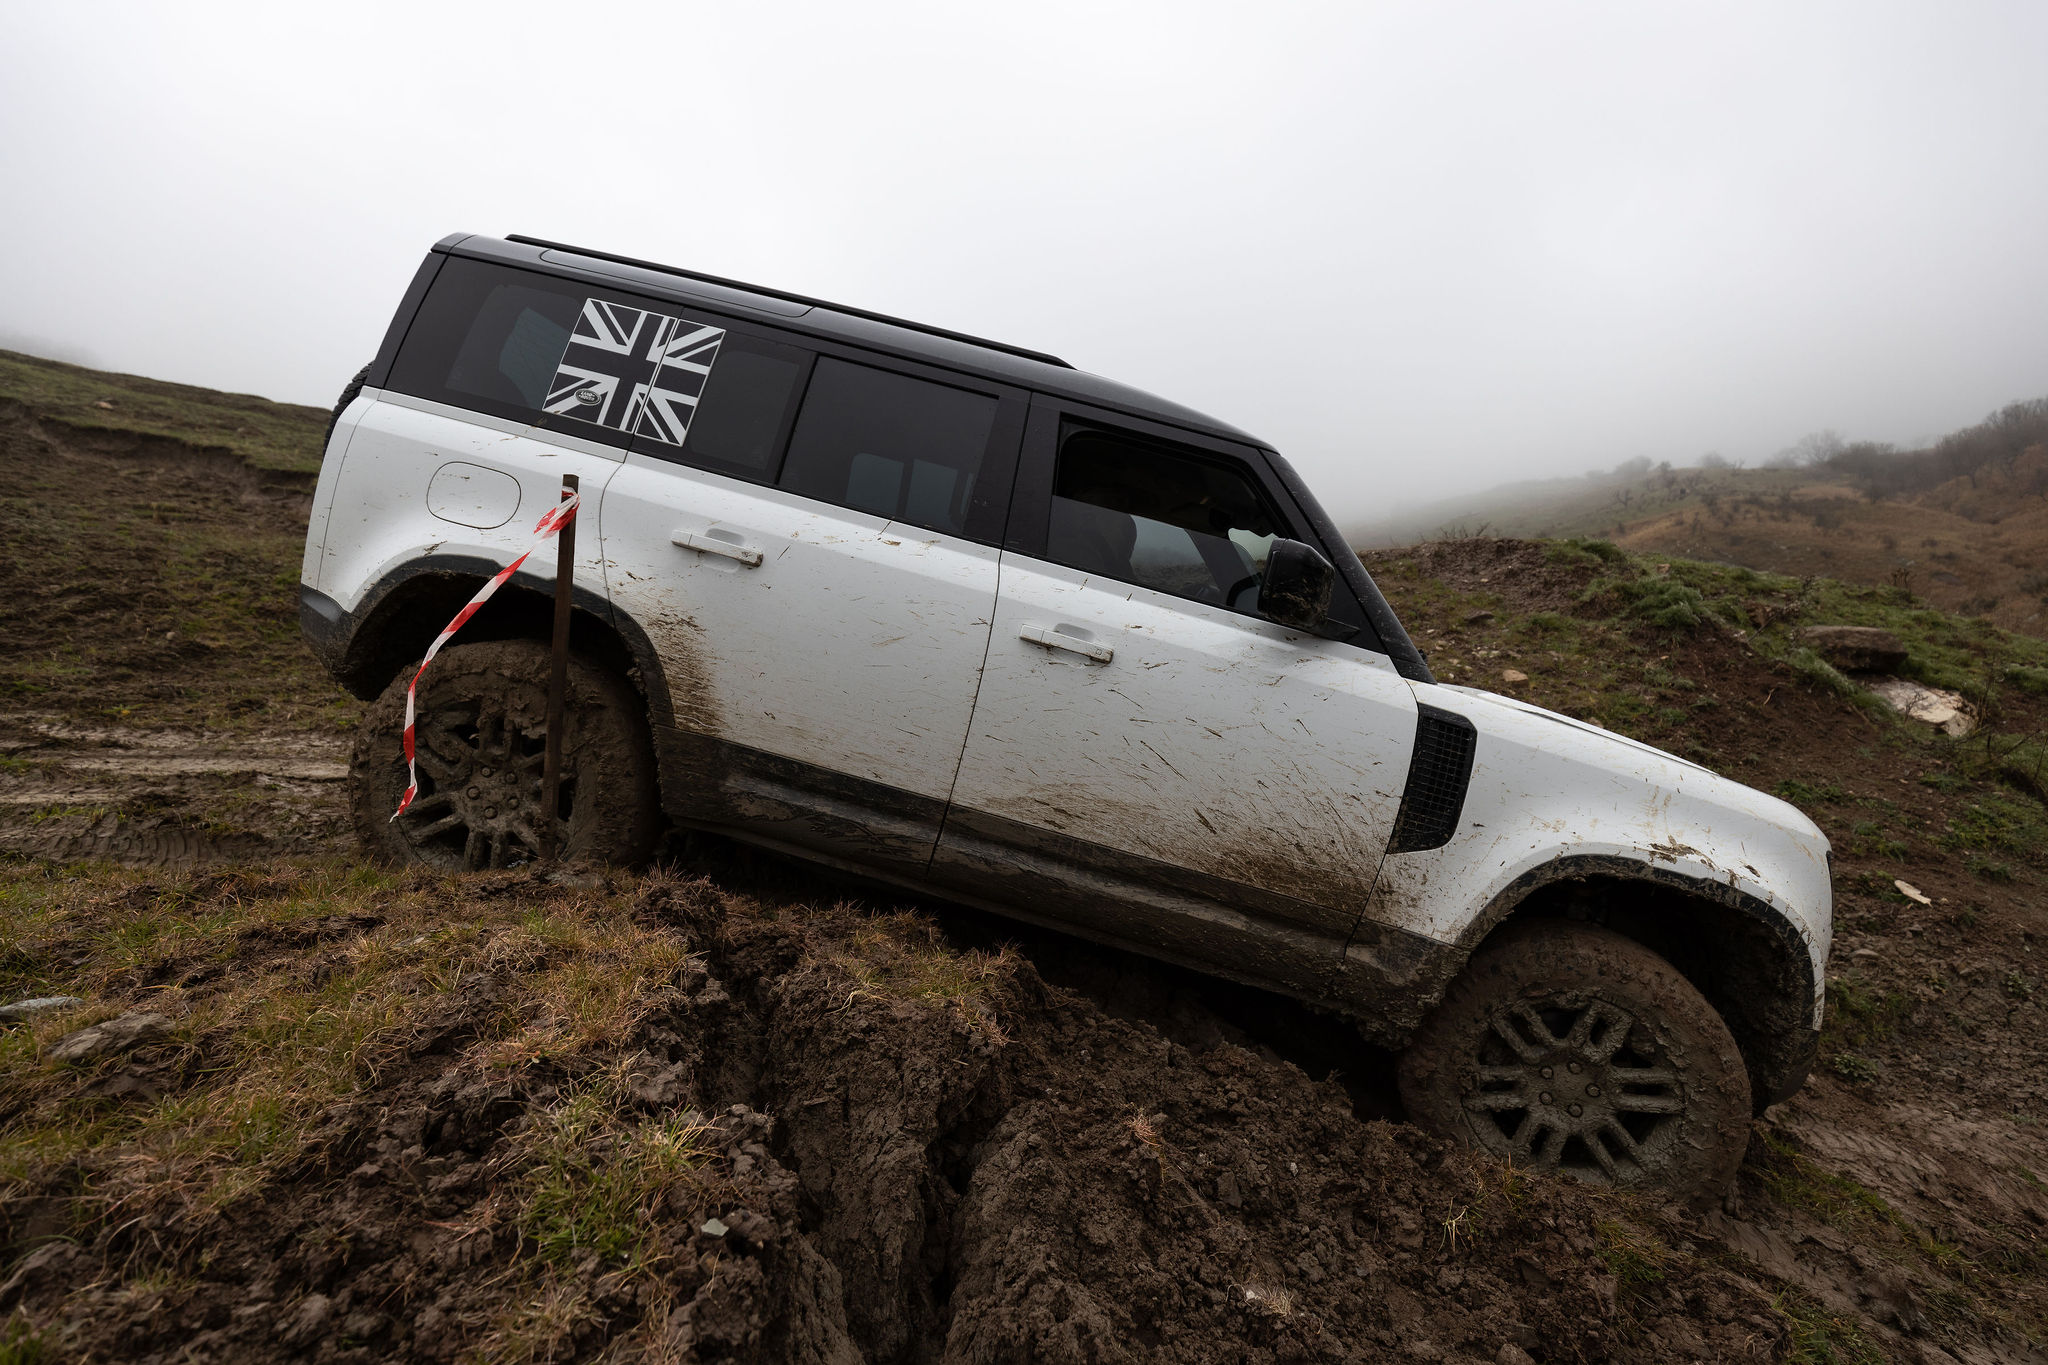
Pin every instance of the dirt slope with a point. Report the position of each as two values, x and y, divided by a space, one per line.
407 1118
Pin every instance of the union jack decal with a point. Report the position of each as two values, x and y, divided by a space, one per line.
633 370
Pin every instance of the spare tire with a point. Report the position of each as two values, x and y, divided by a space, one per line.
482 732
1565 1047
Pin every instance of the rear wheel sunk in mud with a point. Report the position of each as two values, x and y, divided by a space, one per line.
1565 1047
481 740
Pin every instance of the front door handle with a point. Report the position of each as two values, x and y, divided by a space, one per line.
712 545
1054 639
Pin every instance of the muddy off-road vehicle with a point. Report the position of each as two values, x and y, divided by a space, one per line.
957 616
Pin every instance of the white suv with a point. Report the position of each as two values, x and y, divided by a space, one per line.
955 615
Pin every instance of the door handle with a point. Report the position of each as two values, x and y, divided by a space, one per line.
712 545
1054 639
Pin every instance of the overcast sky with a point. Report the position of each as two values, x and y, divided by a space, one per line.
1419 247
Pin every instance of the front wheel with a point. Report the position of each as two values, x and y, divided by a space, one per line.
1568 1048
481 738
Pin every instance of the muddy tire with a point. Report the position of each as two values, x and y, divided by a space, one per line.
1568 1048
482 728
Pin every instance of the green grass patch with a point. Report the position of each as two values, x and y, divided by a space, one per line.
1859 1015
1819 1337
266 434
599 1173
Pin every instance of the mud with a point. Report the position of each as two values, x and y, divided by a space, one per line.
1027 1179
1108 1160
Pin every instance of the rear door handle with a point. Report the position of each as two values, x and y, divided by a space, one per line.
712 545
1053 639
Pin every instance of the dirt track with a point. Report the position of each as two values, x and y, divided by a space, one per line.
1101 1160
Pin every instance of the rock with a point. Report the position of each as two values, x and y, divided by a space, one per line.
1859 649
306 1324
1911 893
714 1227
1511 1354
1478 618
1511 676
103 403
130 1030
1946 711
23 1009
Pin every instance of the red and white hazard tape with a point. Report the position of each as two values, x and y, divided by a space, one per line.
555 519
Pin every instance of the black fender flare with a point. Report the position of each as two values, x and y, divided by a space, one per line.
348 642
1780 1051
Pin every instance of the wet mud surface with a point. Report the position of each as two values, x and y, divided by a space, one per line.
1097 1159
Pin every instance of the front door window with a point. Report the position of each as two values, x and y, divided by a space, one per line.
1136 512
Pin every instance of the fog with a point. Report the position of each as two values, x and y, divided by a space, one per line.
1418 247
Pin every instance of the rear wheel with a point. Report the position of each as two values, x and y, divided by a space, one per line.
481 717
1568 1048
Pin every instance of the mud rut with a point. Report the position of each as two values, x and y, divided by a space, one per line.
1142 1166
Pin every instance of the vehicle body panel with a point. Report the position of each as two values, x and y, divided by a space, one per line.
377 491
824 684
1208 741
1544 786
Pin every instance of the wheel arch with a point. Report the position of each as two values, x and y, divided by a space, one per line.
1747 958
398 618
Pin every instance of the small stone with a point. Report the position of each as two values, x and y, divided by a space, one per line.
307 1323
103 403
1511 1354
1512 676
23 1009
1478 618
130 1030
714 1227
1227 1193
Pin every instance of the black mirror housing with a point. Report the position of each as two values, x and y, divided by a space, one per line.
1296 588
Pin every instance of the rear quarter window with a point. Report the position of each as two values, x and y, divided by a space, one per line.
560 354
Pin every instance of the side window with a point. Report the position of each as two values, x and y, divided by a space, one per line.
881 442
557 353
743 414
1144 512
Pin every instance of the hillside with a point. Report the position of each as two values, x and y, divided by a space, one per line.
737 1110
1962 524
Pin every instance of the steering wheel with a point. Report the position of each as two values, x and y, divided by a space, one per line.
1250 580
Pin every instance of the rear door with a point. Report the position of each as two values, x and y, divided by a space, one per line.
814 556
1150 759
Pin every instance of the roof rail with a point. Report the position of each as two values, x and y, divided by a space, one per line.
793 298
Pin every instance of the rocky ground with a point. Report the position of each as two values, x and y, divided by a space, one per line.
732 1110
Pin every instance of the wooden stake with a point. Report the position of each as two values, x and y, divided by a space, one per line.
558 677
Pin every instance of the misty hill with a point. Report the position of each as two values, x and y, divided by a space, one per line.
1961 524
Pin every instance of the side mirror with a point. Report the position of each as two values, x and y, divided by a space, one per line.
1296 589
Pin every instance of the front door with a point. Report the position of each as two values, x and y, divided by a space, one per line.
1151 760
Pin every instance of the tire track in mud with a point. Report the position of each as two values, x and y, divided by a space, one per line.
168 797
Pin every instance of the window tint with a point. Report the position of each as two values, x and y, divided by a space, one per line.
1144 513
885 443
557 353
744 411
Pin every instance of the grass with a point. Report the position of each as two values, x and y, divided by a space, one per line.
1819 1337
902 957
267 435
1859 1014
23 1344
293 987
598 1171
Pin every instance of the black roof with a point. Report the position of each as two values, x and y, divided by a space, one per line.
995 360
